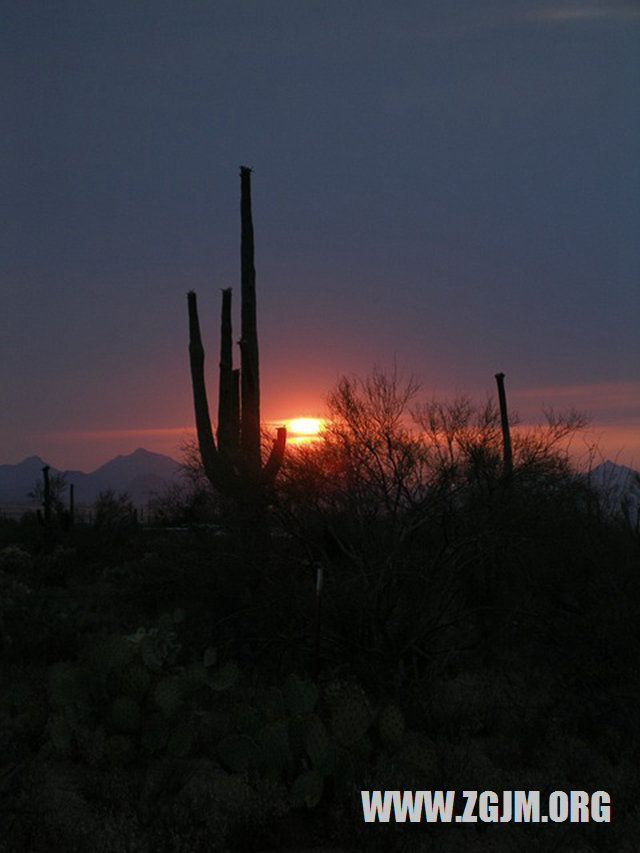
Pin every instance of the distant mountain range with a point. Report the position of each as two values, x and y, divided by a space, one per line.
140 474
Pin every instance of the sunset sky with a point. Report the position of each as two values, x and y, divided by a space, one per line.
452 187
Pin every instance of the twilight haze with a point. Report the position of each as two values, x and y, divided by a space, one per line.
450 187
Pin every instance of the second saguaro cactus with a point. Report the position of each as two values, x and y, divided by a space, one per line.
233 463
507 452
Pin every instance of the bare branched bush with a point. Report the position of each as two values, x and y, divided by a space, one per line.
542 451
387 464
364 482
462 441
356 498
464 444
381 457
57 492
190 500
112 511
407 504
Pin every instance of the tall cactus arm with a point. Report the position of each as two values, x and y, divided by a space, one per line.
276 456
228 414
507 452
206 442
249 364
235 407
234 466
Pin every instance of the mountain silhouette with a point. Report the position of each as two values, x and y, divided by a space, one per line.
140 474
619 488
17 480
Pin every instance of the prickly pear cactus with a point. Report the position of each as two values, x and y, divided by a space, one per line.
318 744
419 753
225 676
306 789
135 680
246 718
273 742
273 704
119 750
90 744
350 712
155 732
24 708
168 694
300 696
127 696
125 715
15 560
65 685
128 701
239 753
180 741
391 725
112 653
61 734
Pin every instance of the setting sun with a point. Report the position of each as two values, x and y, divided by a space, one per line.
305 426
304 430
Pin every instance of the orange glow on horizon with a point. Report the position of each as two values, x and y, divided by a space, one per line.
303 429
305 426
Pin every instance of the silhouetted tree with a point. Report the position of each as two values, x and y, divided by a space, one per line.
49 493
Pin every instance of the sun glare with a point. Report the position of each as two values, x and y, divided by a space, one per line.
304 430
305 426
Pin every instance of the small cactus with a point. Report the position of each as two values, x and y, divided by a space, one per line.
274 704
300 696
239 753
273 741
64 687
418 752
127 692
119 750
391 725
135 680
317 743
125 715
168 694
91 744
180 741
350 714
246 718
197 673
15 560
225 676
155 732
114 652
307 788
61 734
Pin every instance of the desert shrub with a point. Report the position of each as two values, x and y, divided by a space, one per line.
16 561
360 490
113 512
405 506
181 504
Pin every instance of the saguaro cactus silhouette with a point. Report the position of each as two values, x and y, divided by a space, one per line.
233 465
46 500
507 453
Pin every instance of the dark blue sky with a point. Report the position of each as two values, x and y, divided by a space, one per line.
453 186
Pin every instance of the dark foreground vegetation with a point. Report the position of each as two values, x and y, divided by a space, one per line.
190 690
